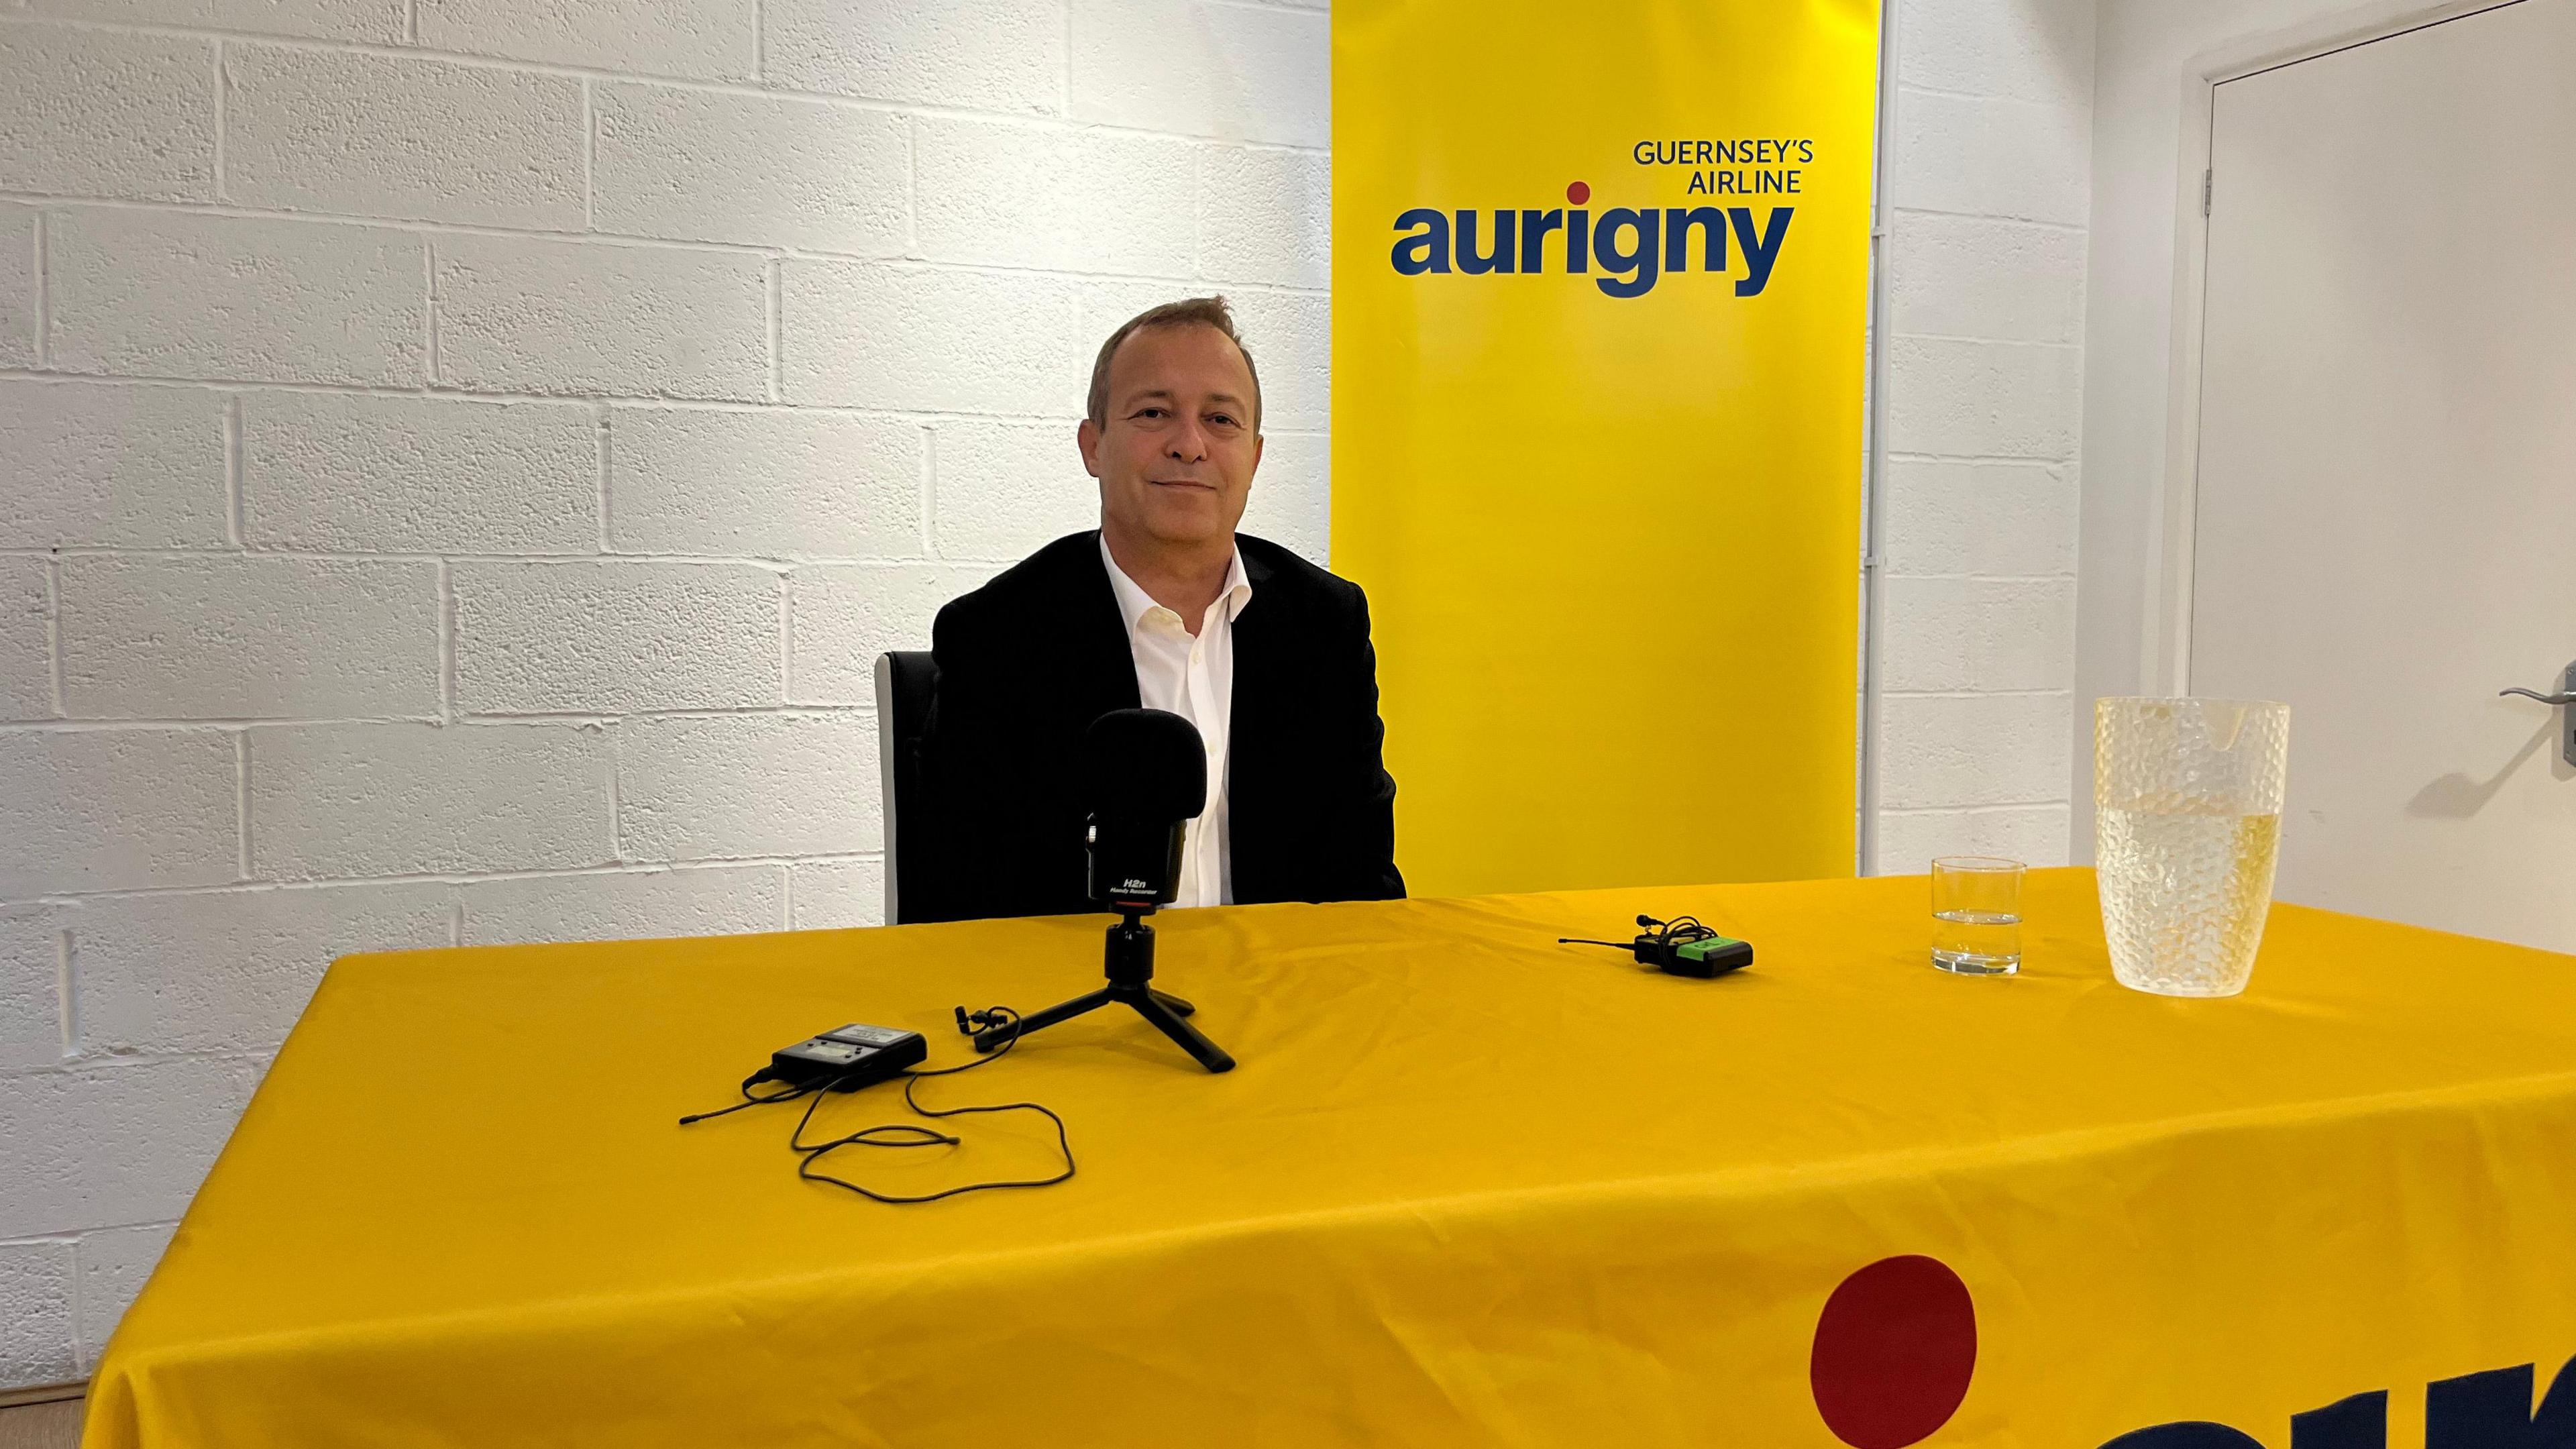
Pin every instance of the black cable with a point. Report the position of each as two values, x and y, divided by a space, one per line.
748 1100
1677 931
1657 942
810 1153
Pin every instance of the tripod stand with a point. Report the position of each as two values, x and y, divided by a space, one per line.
1130 964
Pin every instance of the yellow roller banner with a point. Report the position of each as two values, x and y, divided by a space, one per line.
1600 290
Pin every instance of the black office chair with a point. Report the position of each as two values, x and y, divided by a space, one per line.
907 682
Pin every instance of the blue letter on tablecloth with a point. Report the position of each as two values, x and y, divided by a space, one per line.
2359 1422
2493 1410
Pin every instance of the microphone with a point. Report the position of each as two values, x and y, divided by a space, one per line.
1144 777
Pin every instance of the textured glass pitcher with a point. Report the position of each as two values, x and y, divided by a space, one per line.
2187 798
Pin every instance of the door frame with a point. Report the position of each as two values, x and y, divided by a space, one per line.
2166 648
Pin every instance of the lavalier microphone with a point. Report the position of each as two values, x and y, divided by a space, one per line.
1679 947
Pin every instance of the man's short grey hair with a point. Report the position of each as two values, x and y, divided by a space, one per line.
1188 312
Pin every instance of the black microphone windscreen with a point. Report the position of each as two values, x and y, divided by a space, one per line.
1144 764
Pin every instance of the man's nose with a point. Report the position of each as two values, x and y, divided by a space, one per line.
1188 442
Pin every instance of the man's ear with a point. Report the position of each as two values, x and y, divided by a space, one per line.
1087 439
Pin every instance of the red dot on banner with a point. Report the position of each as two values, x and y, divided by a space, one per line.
1895 1348
1579 193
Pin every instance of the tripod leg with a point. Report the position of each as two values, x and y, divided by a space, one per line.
1178 1006
987 1041
1208 1053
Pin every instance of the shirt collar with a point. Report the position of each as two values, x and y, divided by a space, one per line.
1134 603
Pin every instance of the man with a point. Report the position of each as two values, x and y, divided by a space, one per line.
1167 607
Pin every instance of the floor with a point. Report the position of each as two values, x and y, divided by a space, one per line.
42 1426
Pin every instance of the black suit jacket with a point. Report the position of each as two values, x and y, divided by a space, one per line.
1028 661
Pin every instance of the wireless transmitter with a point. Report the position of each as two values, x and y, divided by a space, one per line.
848 1058
1679 947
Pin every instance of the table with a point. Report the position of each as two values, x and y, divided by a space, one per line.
1468 1187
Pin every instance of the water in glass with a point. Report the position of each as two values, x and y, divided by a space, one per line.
1976 943
2187 810
1976 915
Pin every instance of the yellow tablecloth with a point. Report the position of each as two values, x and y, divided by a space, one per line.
1468 1187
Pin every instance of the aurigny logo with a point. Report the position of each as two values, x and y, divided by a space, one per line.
1632 246
1896 1347
2490 1410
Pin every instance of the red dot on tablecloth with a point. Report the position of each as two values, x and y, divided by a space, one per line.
1895 1348
1579 192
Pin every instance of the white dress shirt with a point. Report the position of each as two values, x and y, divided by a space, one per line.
1192 675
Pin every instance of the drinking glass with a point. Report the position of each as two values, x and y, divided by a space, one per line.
1976 915
2187 798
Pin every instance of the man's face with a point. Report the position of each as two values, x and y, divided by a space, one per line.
1176 453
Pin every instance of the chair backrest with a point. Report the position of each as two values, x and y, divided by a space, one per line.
907 682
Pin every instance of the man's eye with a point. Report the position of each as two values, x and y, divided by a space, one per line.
1149 412
1225 419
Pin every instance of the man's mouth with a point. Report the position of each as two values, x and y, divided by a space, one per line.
1181 483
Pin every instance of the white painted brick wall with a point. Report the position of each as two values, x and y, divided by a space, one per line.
1291 501
1005 488
766 484
520 315
1243 72
1294 334
17 288
372 20
624 905
36 1281
112 809
31 1027
354 473
188 294
1027 195
1974 276
992 55
1972 398
230 638
365 135
831 894
1990 156
1991 185
698 39
2000 518
1267 215
253 957
26 639
112 1264
109 1141
111 466
103 113
614 638
377 374
757 170
403 799
853 334
716 787
841 616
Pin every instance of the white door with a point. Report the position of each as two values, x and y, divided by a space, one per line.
2385 520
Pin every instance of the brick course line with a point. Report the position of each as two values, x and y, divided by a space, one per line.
644 241
688 83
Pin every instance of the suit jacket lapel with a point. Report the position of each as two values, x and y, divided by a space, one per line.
1256 713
